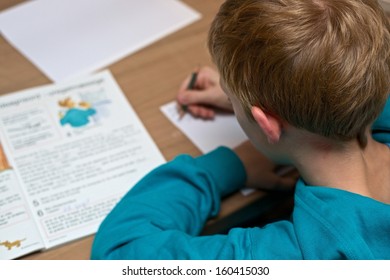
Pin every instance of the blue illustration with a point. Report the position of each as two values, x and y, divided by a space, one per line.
76 116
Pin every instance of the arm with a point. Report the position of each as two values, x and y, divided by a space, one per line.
162 215
168 207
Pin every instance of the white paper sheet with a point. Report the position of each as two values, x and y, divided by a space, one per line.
66 38
207 135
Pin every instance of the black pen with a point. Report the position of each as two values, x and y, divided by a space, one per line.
191 85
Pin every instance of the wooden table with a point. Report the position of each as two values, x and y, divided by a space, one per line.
170 59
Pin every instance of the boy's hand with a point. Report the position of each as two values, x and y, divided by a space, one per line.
261 172
207 97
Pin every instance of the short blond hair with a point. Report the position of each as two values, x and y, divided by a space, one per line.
320 65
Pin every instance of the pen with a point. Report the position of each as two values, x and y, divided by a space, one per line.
191 85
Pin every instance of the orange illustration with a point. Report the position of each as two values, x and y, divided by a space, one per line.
4 165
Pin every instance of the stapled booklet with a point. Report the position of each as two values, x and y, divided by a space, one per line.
68 153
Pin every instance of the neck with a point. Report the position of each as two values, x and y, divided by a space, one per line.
346 166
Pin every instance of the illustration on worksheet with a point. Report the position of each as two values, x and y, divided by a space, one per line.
11 244
75 114
4 164
83 111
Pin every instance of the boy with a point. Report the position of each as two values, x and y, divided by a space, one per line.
307 80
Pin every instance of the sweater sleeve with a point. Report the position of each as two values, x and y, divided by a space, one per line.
162 215
381 127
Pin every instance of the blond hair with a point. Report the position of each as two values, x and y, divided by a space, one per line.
320 65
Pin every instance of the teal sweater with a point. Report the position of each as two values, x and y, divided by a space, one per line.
162 216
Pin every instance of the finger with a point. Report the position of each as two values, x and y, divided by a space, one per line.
184 84
201 112
204 78
192 97
207 76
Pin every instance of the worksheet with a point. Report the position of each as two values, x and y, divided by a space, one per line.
69 152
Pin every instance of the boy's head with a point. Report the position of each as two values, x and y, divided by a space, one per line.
320 65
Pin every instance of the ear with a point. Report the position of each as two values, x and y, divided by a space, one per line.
270 125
